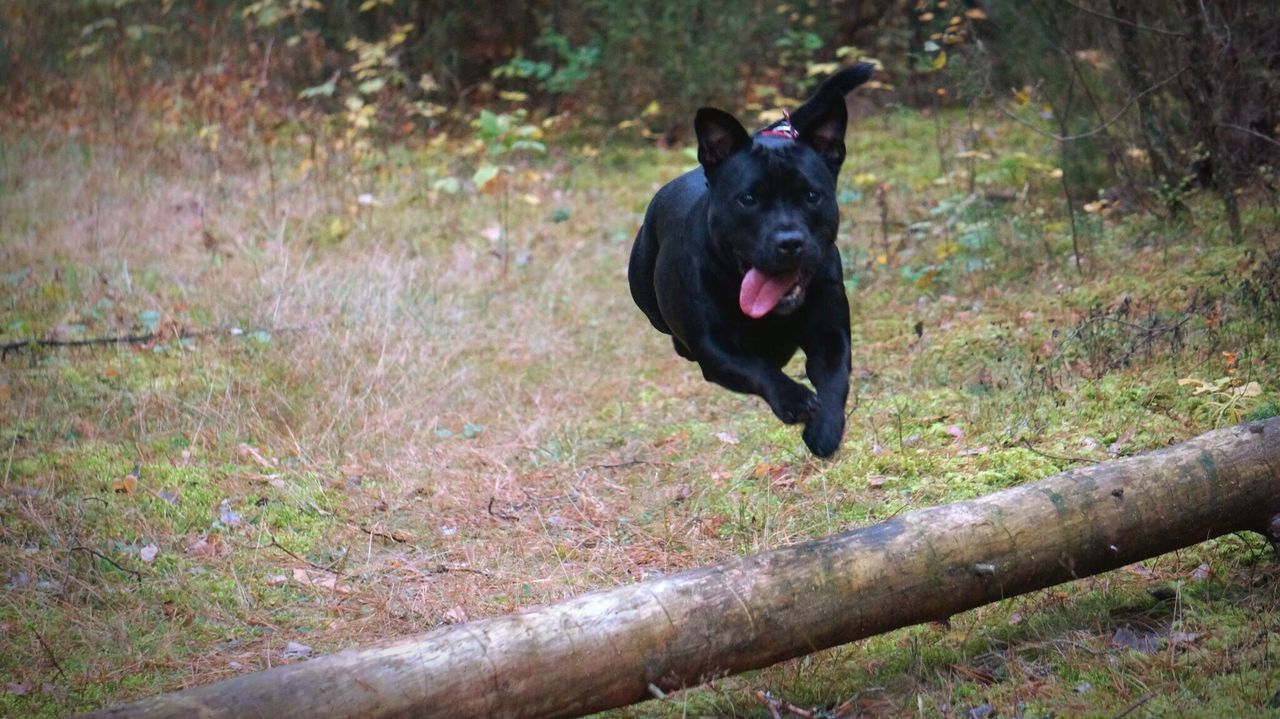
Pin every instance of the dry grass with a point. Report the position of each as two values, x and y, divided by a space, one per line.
458 440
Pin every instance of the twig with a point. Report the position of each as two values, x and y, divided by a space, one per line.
775 704
304 560
393 536
8 347
1134 706
621 465
500 515
109 560
48 652
1122 21
12 445
1101 128
1061 458
1249 131
445 569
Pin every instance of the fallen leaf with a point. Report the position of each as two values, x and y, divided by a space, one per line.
955 431
768 470
17 688
274 580
1125 437
726 437
208 546
227 515
148 553
876 481
1202 573
982 711
167 496
457 615
326 581
677 437
294 650
1145 642
127 484
246 450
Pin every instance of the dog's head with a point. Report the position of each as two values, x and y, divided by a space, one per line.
772 195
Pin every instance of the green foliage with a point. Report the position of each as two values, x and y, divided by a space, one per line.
570 67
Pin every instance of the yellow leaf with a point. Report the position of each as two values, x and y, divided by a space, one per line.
513 96
940 61
975 14
1253 389
127 484
653 108
337 228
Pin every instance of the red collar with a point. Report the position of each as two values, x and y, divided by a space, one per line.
781 128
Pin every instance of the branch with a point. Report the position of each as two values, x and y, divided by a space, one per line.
1134 706
109 560
1249 131
7 347
1099 129
330 569
1122 21
1059 457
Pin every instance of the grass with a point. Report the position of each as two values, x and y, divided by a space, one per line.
381 430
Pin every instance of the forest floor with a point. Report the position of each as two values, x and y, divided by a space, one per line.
362 399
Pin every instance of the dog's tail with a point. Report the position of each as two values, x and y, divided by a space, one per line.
844 81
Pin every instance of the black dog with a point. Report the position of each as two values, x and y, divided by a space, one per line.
737 260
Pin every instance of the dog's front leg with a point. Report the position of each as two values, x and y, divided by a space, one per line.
827 364
791 401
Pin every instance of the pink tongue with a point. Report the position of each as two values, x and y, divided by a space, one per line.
760 292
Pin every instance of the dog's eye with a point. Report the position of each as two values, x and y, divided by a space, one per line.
747 199
813 197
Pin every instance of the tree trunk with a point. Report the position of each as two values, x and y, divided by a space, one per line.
620 646
1164 162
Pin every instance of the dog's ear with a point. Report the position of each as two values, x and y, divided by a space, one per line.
719 136
821 121
822 127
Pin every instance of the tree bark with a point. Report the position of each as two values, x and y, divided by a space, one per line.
615 647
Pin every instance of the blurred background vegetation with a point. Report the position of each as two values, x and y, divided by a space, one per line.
1147 100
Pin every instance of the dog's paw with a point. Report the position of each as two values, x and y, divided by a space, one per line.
798 404
822 436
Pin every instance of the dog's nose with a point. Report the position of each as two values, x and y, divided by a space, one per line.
789 242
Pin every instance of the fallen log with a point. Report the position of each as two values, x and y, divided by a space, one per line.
620 646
